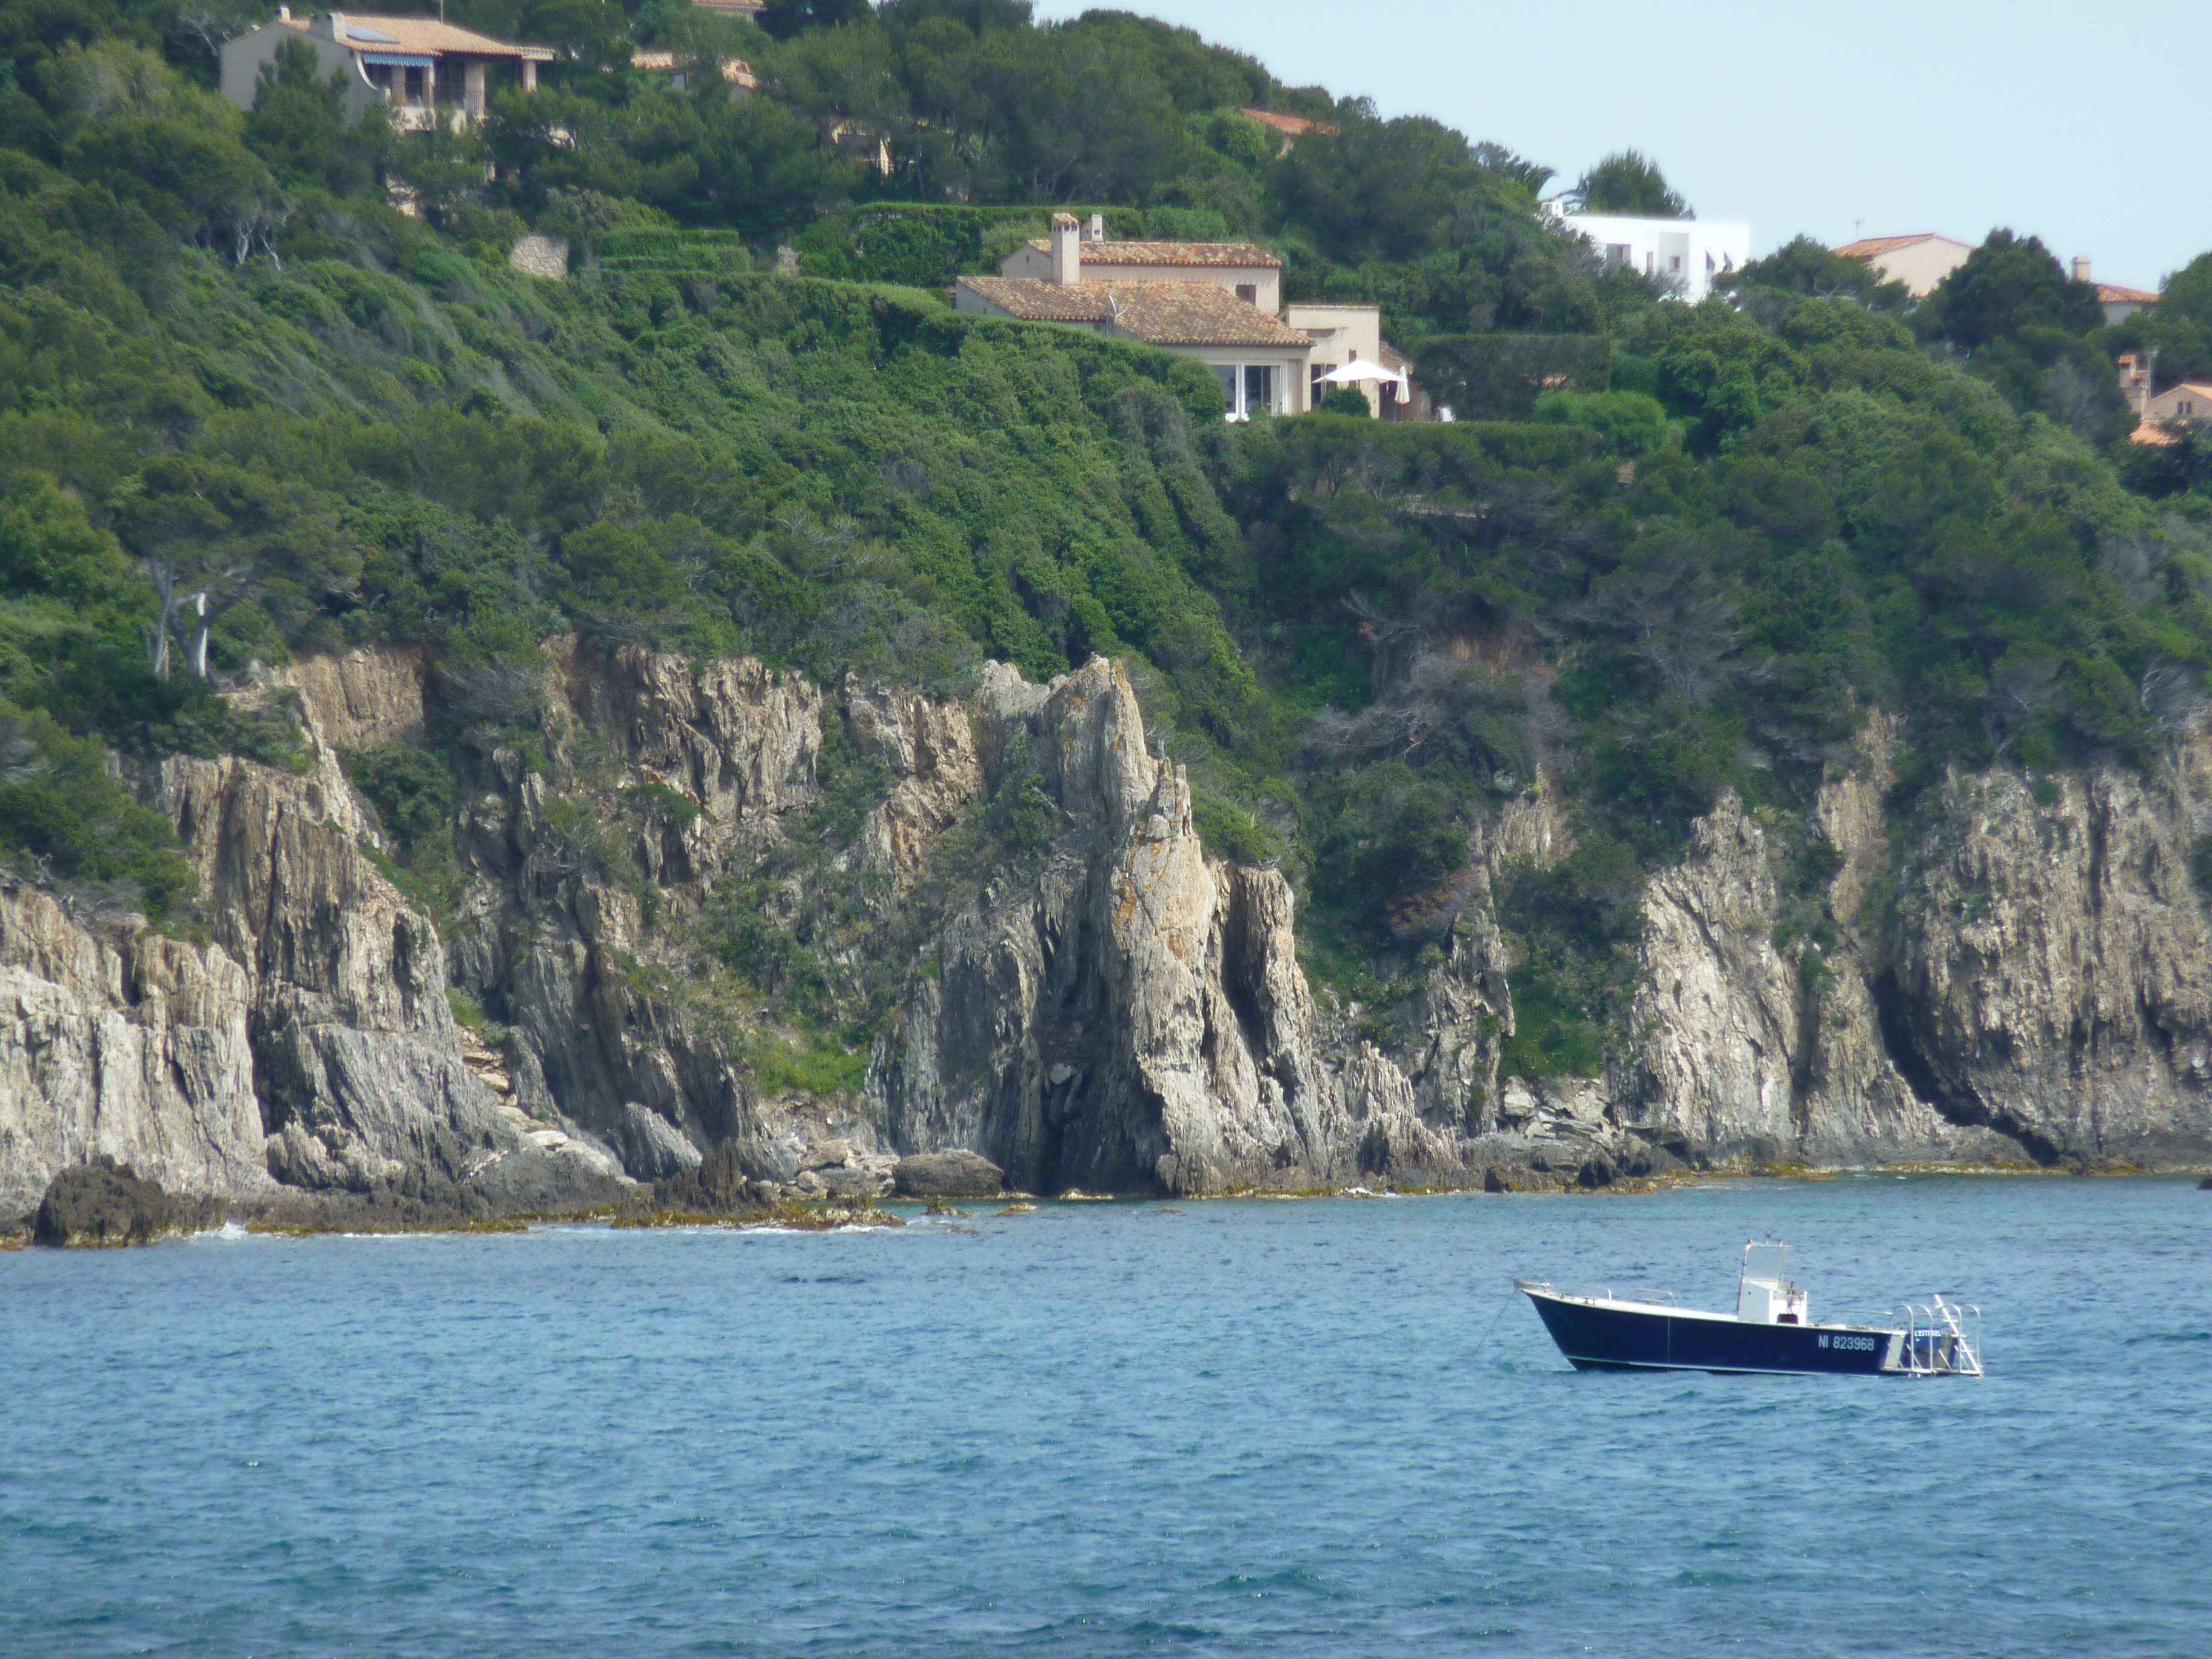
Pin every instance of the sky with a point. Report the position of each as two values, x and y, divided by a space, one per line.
1878 119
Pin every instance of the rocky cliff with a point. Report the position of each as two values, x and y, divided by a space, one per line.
2014 972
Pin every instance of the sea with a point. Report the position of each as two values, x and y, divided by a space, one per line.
1238 1427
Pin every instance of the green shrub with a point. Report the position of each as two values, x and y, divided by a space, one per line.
62 818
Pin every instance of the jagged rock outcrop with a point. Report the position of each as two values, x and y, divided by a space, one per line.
2038 989
2051 972
1740 1053
561 952
101 1204
947 1175
2015 972
1131 1013
930 749
133 1048
308 1046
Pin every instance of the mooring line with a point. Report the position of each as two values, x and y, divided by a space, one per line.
1494 1323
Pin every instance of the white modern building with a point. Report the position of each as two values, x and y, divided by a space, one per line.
1686 254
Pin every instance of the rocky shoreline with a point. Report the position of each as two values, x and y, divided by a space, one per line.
2019 976
102 1205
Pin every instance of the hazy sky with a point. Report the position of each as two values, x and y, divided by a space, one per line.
2076 124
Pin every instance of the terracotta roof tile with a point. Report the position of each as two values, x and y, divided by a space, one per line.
1197 313
1036 301
2111 294
1873 247
1292 127
1158 313
1214 254
735 71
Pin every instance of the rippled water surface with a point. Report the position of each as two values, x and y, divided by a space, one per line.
1226 1428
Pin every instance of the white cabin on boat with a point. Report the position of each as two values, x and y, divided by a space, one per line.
1764 1296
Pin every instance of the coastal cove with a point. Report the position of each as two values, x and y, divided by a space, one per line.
1211 1427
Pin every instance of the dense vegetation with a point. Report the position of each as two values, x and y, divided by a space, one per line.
1672 552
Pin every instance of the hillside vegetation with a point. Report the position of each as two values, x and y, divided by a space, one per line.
1697 562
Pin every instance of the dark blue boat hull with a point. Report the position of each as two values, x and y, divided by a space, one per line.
1660 1340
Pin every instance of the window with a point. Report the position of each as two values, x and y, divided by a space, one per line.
1226 373
1675 262
1259 388
1249 293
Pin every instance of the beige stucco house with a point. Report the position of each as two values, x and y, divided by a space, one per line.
1215 301
2189 403
1341 334
2119 303
423 70
1920 262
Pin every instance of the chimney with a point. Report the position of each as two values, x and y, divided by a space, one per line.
1066 250
1098 227
2082 268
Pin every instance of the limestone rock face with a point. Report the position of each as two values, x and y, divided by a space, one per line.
1124 1013
651 1147
558 946
737 740
1081 997
309 1045
2052 973
353 1040
930 749
1740 1054
2040 989
135 1049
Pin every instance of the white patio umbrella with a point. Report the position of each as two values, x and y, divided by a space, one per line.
1361 369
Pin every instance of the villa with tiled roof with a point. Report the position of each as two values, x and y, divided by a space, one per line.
422 69
1257 279
1920 261
1215 302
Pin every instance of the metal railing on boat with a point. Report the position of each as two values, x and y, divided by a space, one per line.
1935 1340
1607 1293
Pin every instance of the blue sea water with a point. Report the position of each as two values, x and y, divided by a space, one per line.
1318 1427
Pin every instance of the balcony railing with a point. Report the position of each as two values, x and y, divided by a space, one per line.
427 118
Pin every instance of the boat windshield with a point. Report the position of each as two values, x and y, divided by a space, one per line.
1766 1262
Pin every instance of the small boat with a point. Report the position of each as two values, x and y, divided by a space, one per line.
1771 1330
